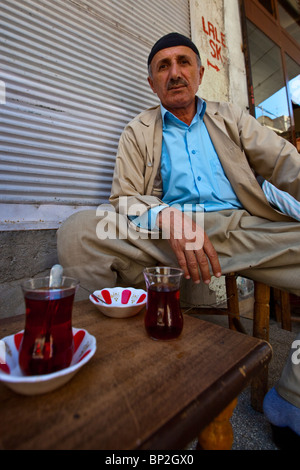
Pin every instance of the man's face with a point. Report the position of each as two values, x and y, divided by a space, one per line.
176 77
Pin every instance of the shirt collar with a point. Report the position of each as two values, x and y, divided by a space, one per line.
201 107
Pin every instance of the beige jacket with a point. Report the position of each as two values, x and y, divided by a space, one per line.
242 144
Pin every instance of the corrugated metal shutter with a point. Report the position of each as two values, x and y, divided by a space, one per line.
75 74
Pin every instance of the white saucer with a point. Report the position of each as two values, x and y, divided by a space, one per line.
12 376
120 302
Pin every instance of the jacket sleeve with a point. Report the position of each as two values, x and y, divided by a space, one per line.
270 155
129 187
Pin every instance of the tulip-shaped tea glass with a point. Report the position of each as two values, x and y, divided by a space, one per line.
163 318
47 344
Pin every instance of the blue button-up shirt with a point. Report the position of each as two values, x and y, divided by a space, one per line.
191 171
190 167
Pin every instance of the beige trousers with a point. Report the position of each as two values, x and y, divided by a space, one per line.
251 246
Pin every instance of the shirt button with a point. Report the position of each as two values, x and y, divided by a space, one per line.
199 178
193 152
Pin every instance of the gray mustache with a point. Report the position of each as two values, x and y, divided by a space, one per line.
179 81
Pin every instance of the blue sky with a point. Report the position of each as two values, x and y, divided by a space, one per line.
276 105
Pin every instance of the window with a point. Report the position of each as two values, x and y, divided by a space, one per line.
289 16
268 5
272 54
270 95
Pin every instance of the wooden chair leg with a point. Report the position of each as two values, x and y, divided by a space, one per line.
282 308
277 304
233 303
285 311
259 386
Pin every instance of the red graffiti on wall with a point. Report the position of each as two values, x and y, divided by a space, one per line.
216 42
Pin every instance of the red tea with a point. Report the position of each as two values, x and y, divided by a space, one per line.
47 344
163 319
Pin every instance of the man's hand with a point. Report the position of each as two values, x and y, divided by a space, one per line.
191 245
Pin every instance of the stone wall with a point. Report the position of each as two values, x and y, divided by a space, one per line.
24 254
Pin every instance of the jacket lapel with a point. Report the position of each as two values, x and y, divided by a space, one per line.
237 169
152 133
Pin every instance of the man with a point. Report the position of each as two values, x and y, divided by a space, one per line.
182 163
176 161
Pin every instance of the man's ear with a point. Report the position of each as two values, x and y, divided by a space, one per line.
150 81
201 73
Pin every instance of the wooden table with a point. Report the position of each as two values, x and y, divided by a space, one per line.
135 393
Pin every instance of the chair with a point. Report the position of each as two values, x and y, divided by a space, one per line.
261 318
282 309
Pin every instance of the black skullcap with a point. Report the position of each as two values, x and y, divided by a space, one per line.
171 40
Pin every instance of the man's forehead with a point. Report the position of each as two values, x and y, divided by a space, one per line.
173 52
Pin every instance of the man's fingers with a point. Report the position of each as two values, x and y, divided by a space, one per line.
196 264
194 251
193 266
180 255
203 266
213 257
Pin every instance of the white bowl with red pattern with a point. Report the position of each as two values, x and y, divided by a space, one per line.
12 376
119 302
